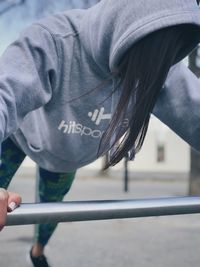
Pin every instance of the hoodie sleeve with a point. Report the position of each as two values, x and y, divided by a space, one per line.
28 74
178 105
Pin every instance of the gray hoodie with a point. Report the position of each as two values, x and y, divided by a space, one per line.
54 92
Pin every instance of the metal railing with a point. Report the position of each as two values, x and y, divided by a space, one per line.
102 210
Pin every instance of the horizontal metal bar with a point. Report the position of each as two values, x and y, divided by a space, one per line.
102 210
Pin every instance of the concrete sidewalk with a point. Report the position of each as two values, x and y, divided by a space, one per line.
143 242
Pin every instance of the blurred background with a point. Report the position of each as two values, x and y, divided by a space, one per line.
166 166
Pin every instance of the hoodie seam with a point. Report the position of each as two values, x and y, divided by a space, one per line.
55 39
53 36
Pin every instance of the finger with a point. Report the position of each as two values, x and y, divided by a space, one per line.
3 207
14 201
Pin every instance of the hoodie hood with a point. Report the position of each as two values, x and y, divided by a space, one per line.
111 27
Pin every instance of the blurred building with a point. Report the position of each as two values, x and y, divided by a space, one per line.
163 154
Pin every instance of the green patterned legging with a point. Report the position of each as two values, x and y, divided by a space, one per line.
52 186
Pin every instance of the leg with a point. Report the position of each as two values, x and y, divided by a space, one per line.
52 188
11 158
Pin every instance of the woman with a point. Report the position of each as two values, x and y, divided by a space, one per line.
84 83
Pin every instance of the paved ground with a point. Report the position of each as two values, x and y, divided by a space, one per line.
153 242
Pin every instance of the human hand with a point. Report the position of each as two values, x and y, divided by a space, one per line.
8 202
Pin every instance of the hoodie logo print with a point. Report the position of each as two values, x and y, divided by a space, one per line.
98 115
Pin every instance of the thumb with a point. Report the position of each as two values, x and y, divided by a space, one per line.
14 201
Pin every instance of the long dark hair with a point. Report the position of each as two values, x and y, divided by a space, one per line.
142 73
